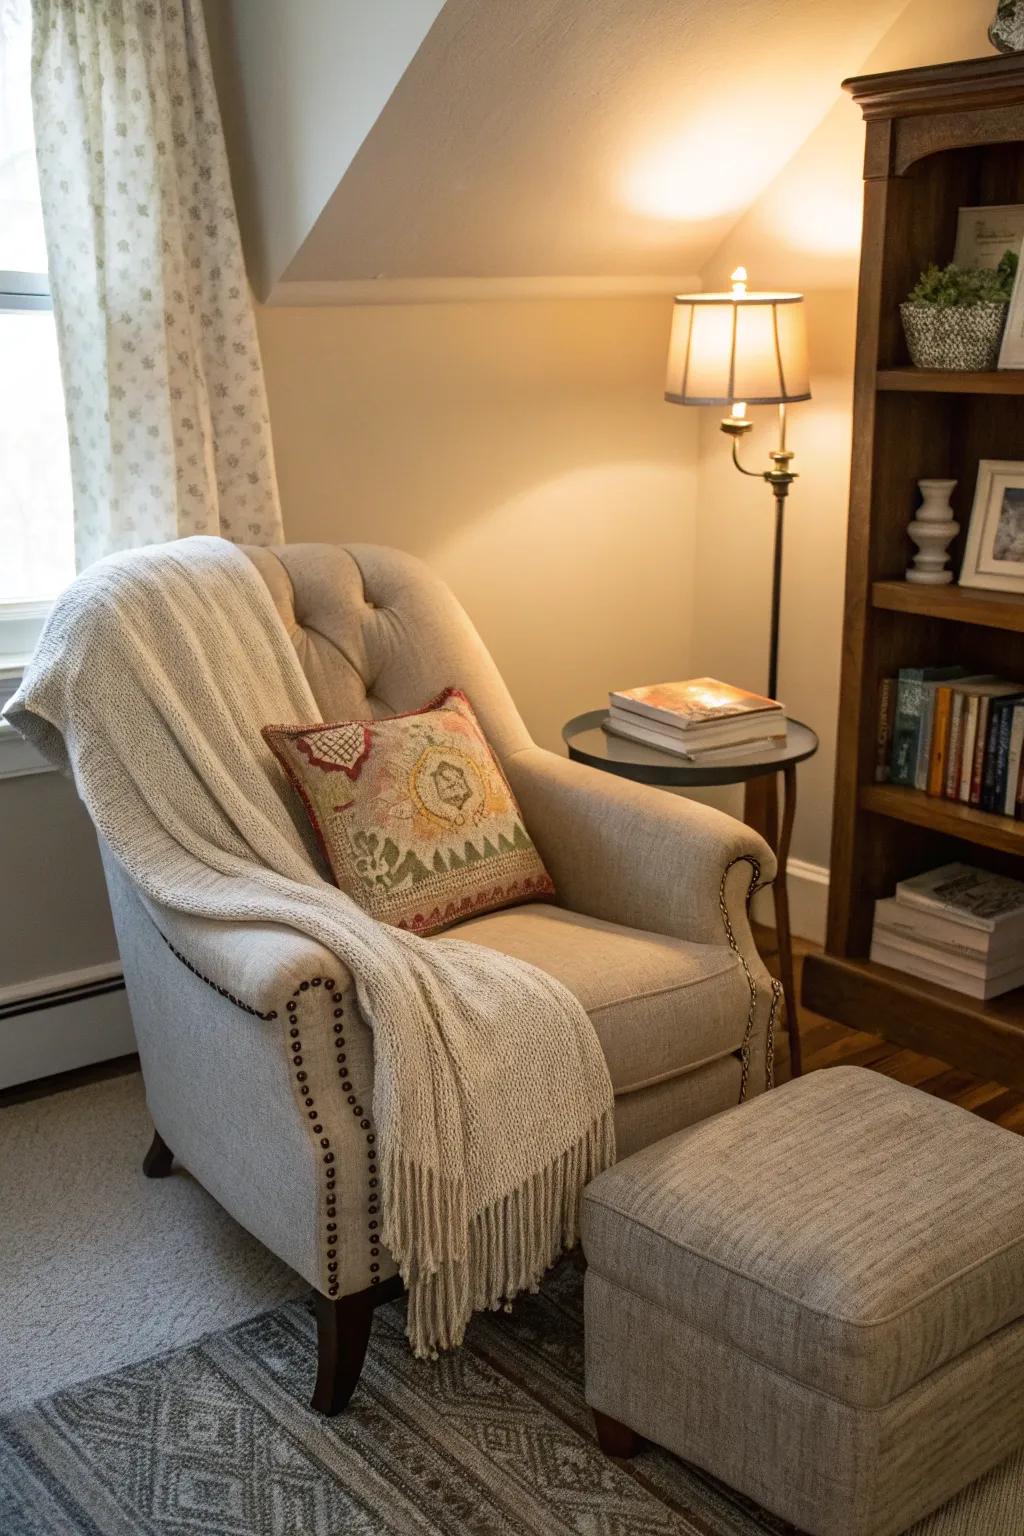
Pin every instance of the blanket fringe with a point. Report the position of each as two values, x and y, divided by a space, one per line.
505 1248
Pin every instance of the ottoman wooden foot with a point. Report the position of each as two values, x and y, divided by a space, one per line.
615 1439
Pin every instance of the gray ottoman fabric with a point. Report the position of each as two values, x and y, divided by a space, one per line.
819 1298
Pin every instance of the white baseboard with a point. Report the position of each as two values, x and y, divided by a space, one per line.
17 756
808 901
71 1031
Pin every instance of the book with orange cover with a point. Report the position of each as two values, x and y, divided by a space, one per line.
697 702
940 740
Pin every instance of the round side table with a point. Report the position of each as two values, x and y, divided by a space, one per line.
759 771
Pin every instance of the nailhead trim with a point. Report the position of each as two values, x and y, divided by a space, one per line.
356 1109
327 1153
754 886
770 1043
327 1156
221 991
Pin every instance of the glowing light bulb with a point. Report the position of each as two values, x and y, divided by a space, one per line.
739 282
739 409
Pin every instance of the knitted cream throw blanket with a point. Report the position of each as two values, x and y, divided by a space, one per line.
493 1103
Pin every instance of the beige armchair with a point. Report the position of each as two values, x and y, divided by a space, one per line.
257 1063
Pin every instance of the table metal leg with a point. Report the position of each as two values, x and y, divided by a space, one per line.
782 929
761 811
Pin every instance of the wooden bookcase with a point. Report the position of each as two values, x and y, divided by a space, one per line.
937 139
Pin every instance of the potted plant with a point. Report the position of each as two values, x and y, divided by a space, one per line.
1007 30
954 316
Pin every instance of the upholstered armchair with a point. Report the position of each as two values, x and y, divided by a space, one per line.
257 1063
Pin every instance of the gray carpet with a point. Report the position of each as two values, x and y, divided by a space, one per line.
101 1268
493 1440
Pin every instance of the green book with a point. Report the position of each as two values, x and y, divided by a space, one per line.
906 728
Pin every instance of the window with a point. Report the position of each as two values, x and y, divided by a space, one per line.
36 531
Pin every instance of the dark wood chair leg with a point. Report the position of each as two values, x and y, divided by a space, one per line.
158 1160
615 1439
343 1332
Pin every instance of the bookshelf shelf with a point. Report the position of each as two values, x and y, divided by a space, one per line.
920 1015
939 139
945 816
961 605
929 381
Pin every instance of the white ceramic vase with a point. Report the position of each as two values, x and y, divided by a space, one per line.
932 530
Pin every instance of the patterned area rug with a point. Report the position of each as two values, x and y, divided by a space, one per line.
495 1440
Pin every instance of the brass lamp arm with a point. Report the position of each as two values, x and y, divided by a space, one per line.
780 475
756 474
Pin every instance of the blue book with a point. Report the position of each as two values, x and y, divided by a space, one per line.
993 794
906 726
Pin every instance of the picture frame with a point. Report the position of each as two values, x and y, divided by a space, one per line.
1011 348
994 552
984 235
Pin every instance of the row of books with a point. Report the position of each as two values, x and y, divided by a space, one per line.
958 926
955 734
696 717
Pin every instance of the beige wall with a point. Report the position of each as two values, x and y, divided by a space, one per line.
54 916
523 450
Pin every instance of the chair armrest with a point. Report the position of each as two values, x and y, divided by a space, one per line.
639 856
259 1074
257 966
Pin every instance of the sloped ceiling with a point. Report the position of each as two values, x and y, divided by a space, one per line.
301 82
573 139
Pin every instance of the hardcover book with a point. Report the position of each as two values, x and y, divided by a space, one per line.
993 783
695 702
951 787
906 731
738 743
715 732
1015 756
944 974
896 920
967 745
883 739
974 897
940 740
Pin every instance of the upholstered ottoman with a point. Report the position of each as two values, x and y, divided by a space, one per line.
817 1297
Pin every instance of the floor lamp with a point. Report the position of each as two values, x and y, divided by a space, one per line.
741 349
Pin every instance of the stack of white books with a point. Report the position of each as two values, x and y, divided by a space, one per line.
696 717
961 927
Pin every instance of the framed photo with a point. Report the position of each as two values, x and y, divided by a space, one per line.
994 556
1011 348
984 235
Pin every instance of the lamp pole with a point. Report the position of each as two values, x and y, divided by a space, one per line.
780 477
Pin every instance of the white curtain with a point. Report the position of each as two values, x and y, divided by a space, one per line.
166 406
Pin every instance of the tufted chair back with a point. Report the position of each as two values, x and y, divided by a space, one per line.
377 633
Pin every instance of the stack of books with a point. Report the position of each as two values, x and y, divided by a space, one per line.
696 717
956 734
960 927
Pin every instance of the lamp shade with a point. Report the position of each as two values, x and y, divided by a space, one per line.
726 347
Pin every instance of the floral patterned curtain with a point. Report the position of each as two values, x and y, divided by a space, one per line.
166 406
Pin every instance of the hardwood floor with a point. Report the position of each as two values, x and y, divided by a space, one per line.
833 1045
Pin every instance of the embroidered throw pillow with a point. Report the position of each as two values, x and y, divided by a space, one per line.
414 814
